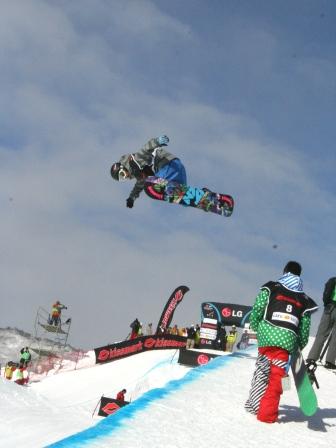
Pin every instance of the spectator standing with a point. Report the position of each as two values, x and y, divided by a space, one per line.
149 329
56 312
180 331
20 377
281 318
121 395
197 336
327 328
135 328
191 332
25 356
140 332
230 340
9 370
221 337
244 340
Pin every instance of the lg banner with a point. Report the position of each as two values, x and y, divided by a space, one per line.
226 313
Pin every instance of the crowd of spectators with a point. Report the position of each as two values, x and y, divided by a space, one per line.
225 341
137 330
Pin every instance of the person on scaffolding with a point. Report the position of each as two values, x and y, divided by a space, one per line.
56 313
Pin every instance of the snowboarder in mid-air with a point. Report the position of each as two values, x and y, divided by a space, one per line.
151 160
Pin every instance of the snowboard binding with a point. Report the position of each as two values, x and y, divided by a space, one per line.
311 366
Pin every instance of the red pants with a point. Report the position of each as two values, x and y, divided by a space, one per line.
134 335
269 403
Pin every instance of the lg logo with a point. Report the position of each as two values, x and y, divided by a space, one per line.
228 312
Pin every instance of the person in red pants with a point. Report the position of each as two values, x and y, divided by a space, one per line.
281 318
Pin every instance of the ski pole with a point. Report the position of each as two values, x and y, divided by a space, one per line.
325 348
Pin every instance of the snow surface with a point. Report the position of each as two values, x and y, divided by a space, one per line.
171 406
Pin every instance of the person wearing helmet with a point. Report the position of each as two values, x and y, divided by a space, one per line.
151 160
56 313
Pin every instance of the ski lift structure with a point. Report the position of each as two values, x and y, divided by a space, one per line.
50 341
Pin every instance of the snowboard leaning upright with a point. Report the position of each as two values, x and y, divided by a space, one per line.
304 388
204 199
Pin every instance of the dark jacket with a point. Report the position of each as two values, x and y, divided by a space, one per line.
135 325
191 333
121 396
147 161
328 292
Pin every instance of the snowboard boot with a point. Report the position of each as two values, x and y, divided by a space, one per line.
310 362
330 365
311 366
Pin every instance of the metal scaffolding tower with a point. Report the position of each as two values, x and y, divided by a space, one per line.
49 340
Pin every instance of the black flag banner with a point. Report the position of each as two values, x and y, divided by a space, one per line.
168 311
193 358
109 406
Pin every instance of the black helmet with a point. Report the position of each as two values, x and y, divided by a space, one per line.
115 170
119 172
293 267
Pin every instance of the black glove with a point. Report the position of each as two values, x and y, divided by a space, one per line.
129 203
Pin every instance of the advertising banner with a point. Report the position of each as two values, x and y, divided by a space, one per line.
120 350
168 311
208 333
193 358
109 406
226 313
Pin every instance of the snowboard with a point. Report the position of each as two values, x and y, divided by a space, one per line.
175 193
304 388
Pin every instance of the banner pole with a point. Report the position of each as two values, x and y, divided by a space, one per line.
174 355
100 399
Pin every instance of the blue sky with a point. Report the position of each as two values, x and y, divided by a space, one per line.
246 92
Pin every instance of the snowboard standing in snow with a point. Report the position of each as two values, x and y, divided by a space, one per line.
305 391
204 199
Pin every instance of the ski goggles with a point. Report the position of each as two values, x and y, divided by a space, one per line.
123 174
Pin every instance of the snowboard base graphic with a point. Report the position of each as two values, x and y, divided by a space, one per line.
175 193
305 391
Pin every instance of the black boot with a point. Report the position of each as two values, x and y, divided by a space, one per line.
330 365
